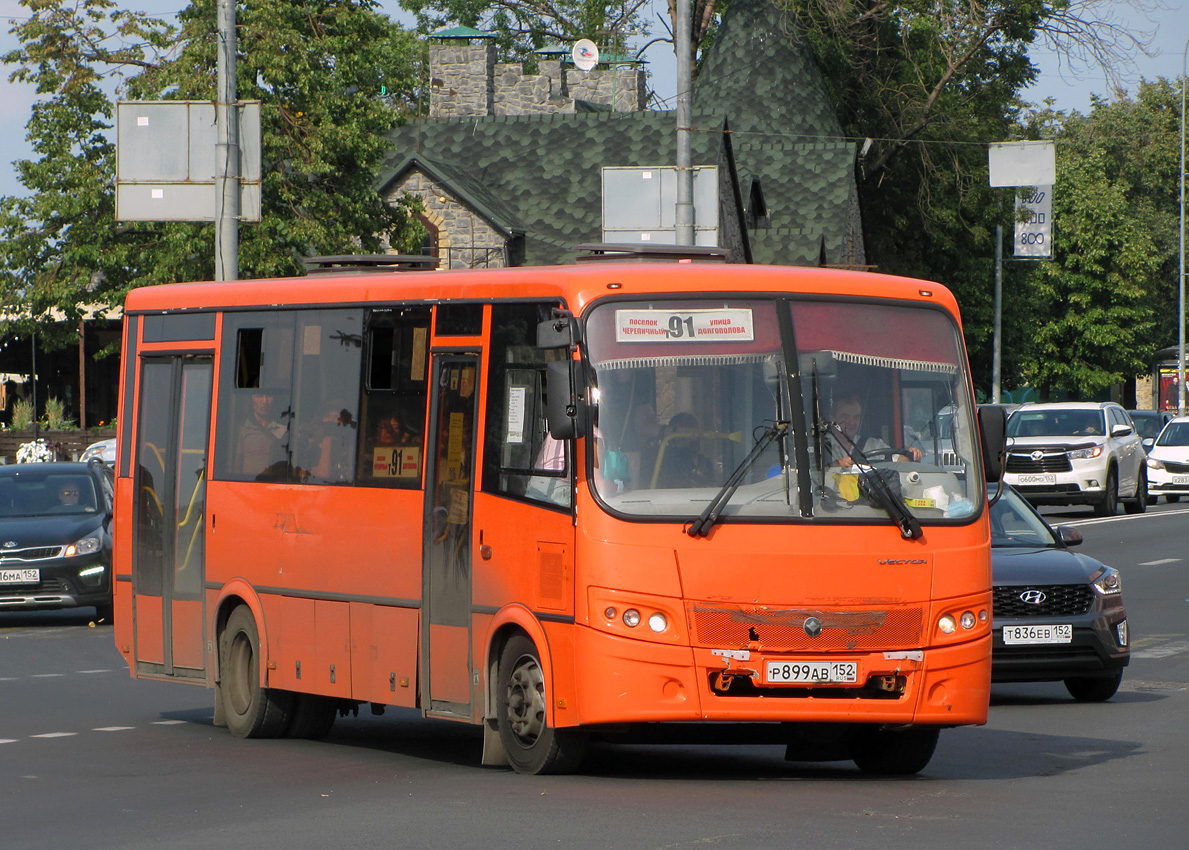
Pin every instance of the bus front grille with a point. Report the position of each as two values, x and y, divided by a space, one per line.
788 629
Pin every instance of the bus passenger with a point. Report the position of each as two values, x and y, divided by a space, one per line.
260 451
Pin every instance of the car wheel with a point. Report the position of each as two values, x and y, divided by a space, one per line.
1110 495
1140 503
1172 500
532 745
1094 690
252 711
899 752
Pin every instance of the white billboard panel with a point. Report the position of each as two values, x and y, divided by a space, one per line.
1022 164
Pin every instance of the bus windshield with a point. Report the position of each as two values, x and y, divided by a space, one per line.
684 390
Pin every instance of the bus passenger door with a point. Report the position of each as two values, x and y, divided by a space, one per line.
449 500
168 569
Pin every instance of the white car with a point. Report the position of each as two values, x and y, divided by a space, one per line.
105 450
1073 453
1168 462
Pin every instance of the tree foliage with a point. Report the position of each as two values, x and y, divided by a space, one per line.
1107 300
333 77
929 85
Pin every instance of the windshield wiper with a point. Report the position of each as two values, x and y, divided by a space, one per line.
910 527
706 520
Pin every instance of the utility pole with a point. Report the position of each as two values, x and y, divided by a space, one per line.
227 188
685 174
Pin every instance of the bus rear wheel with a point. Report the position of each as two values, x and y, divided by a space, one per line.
252 711
532 745
312 717
894 752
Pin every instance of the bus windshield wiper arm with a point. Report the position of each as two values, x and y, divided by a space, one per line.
910 526
706 520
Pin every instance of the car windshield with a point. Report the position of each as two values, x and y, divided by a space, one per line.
1147 425
1015 524
36 493
1174 434
685 390
1056 423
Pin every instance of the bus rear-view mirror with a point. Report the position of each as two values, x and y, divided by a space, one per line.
564 407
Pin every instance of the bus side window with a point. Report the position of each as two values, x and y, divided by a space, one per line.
393 407
326 395
520 458
254 432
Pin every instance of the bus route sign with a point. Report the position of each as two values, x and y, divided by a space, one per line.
718 325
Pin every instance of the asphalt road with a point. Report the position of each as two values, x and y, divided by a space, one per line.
92 758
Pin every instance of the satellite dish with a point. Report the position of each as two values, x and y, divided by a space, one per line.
585 54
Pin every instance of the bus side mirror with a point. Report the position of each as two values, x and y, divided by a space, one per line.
992 430
558 332
565 410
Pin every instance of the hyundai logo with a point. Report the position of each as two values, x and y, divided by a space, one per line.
1037 455
813 626
1033 597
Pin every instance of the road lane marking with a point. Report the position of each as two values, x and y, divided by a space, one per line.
113 728
1163 651
1056 520
8 740
55 735
47 675
168 722
93 671
1161 561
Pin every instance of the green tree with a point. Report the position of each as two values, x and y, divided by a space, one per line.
929 85
1107 299
333 78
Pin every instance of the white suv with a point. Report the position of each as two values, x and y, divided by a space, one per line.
1077 453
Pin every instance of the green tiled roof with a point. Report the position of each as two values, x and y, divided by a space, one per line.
541 174
460 32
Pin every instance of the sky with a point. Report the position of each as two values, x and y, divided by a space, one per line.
1167 21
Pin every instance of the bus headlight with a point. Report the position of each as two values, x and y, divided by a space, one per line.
631 618
657 622
947 625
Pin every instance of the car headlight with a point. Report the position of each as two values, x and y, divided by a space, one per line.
89 545
1107 582
1085 454
1155 463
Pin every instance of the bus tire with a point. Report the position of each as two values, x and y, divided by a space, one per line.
251 711
312 717
532 745
894 752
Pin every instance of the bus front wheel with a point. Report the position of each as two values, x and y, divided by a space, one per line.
532 745
894 752
251 711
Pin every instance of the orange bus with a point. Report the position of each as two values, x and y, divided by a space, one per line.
563 503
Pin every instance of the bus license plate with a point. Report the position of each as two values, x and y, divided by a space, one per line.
26 576
1023 635
1037 478
812 672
